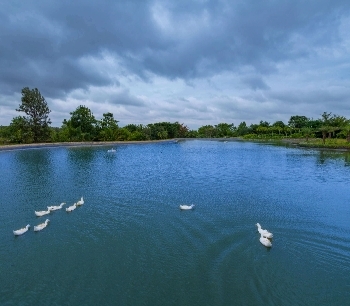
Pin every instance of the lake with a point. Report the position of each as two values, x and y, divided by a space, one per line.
130 244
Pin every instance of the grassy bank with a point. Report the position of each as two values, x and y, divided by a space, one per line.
330 143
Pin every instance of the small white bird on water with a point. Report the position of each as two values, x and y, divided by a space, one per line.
42 213
71 208
41 226
52 208
186 207
21 231
266 242
80 202
264 233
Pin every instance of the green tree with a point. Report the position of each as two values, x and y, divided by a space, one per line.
332 123
108 127
242 129
133 128
307 132
278 126
20 130
346 131
192 134
225 129
82 125
262 129
180 130
253 128
123 134
287 130
314 124
264 124
298 122
207 131
37 111
325 129
5 134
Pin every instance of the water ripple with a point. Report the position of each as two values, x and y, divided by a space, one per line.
130 244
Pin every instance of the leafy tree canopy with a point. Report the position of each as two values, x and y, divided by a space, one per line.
37 111
333 120
279 124
82 118
298 122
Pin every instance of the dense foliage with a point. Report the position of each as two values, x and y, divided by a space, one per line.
35 126
83 126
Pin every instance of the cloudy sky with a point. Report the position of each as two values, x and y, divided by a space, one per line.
197 62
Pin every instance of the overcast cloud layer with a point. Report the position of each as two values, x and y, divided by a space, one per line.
197 62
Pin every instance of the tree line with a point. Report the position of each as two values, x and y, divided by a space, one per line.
35 127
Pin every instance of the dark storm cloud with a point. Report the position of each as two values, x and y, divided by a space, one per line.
124 98
313 97
41 42
149 54
255 83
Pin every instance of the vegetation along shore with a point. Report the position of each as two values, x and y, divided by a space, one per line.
33 129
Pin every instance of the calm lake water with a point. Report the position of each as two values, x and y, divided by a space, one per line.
129 244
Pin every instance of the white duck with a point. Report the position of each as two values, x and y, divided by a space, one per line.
263 232
266 242
21 231
41 226
186 207
42 213
80 202
52 208
71 208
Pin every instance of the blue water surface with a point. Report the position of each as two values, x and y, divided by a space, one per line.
130 244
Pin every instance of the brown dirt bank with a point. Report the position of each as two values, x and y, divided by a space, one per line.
77 144
100 143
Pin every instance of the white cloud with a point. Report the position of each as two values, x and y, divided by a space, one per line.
198 62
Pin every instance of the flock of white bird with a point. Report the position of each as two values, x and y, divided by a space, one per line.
265 235
41 213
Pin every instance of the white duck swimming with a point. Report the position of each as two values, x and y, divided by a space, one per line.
42 213
21 231
71 208
52 208
80 202
266 242
41 226
263 232
186 207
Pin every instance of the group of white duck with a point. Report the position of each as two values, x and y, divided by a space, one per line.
41 213
265 236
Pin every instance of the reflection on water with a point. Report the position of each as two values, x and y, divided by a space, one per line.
327 155
130 244
81 155
347 159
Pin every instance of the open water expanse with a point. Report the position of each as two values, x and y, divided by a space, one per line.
130 244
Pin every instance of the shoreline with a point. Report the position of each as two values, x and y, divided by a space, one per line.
102 143
296 142
77 144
